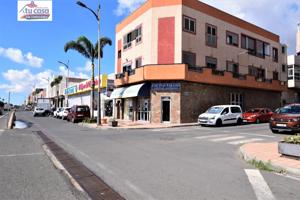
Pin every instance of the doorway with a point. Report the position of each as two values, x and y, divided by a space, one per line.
166 108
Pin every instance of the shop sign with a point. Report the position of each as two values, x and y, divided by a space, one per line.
86 85
35 10
71 90
165 86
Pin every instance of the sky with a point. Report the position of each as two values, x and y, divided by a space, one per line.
29 51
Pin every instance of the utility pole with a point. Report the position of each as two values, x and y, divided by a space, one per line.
67 80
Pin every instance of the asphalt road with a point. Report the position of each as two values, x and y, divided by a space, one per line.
3 121
180 163
26 173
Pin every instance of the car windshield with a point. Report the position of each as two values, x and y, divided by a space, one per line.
82 109
214 110
253 111
289 110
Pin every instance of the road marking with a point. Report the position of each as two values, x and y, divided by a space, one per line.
245 141
227 138
254 134
209 136
288 176
138 191
259 185
3 116
25 154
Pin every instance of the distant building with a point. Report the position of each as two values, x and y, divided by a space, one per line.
175 59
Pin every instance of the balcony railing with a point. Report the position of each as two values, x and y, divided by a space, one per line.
120 75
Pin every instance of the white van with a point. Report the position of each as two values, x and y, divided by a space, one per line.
222 114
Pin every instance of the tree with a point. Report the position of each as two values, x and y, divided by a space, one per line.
85 47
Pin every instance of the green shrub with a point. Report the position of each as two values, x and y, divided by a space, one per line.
292 139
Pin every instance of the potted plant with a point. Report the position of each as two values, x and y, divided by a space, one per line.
290 146
113 122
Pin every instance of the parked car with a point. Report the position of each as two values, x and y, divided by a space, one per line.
78 113
38 111
257 115
63 113
286 118
223 114
55 113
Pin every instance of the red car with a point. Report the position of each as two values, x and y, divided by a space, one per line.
78 113
257 115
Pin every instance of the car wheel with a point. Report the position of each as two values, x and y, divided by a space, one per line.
274 131
239 121
257 121
219 123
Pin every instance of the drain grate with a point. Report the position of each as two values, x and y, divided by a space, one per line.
94 186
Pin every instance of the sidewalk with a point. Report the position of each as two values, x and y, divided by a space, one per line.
268 153
124 124
27 173
3 121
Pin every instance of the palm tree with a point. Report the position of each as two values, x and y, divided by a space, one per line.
85 47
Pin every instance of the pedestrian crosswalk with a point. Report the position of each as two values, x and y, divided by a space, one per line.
229 139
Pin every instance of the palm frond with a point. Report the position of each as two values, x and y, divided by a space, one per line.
77 47
87 44
103 42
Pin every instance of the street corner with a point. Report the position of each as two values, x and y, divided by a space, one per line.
267 154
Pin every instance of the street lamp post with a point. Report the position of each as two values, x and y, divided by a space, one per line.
67 81
97 15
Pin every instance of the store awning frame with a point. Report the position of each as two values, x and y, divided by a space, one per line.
139 90
117 93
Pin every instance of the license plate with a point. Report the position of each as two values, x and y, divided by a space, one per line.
80 115
245 120
281 125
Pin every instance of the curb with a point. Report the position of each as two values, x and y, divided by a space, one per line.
135 128
60 167
275 167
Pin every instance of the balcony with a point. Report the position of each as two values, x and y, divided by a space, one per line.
181 72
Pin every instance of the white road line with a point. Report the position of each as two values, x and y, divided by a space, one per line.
259 185
261 135
3 116
25 154
288 176
209 136
227 138
138 191
245 141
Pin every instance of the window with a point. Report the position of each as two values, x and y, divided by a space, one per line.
275 75
260 48
189 24
225 111
119 54
211 62
252 71
232 67
235 110
249 44
237 99
290 73
232 38
267 49
275 54
127 68
138 62
189 58
283 68
138 34
283 50
211 35
127 41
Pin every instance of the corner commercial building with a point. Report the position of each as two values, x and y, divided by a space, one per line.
176 58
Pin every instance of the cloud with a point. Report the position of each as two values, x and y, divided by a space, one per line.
125 6
16 55
280 17
87 67
63 71
23 81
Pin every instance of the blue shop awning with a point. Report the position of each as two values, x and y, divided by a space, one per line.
117 93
